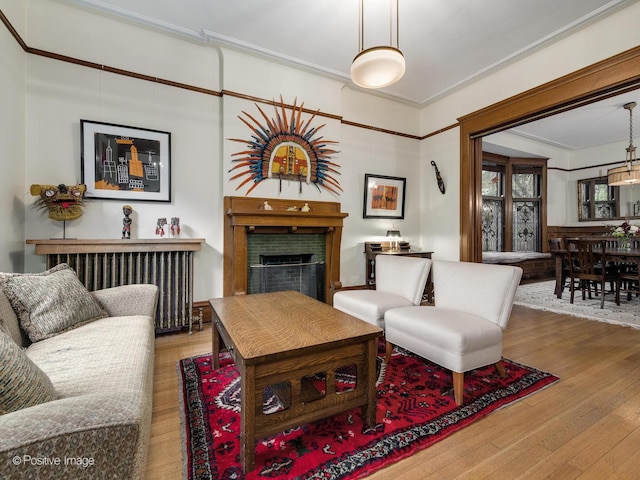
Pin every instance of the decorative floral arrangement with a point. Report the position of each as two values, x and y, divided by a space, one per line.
625 230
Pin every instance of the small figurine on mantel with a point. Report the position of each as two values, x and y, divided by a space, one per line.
160 226
306 208
266 206
292 209
175 226
126 222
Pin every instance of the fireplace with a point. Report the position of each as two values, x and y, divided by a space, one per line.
288 271
246 221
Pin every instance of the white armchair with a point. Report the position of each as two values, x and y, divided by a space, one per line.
463 331
400 282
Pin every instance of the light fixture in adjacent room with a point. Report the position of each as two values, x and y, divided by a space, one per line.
380 66
629 173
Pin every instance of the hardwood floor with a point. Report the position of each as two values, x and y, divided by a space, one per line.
587 426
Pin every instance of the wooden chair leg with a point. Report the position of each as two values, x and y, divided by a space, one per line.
388 350
500 368
572 290
458 387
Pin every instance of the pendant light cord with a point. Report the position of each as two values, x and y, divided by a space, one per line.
631 126
391 24
631 149
397 24
361 25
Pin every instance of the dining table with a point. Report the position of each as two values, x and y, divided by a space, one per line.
613 254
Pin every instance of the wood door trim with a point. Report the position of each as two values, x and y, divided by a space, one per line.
612 76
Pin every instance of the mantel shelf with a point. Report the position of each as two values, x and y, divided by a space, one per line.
270 218
285 214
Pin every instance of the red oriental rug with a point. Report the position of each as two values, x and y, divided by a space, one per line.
415 410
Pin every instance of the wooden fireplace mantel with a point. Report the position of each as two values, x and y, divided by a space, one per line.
245 216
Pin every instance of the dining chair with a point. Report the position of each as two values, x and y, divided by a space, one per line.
630 283
594 270
630 275
556 247
610 242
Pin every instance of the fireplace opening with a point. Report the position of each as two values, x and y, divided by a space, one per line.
290 271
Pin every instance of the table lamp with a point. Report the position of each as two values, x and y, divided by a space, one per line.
394 239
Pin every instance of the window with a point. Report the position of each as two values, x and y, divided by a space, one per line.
492 207
597 199
513 203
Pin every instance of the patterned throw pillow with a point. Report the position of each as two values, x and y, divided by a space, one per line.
51 302
10 322
22 383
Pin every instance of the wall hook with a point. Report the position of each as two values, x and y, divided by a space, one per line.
438 177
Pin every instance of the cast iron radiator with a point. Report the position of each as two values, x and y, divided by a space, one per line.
171 271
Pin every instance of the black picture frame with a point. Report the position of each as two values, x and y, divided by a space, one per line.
119 162
384 196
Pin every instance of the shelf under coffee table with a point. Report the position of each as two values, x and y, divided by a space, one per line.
286 341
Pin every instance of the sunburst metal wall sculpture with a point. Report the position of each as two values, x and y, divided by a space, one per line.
285 148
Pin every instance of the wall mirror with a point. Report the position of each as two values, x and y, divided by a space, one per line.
597 200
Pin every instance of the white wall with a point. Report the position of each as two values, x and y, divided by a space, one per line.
597 41
367 151
360 150
59 94
12 139
440 214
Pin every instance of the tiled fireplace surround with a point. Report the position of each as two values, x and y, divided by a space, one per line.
247 216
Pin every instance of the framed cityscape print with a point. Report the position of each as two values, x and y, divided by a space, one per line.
125 163
383 196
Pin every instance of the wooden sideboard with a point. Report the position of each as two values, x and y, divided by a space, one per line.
104 263
373 249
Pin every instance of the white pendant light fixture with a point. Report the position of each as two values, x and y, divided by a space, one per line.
629 173
381 66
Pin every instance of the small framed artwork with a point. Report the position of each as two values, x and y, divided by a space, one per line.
383 196
125 163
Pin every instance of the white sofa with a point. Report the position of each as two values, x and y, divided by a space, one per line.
96 422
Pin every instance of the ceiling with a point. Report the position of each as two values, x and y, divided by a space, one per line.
598 123
446 43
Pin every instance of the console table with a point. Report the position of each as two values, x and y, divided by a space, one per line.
373 249
104 263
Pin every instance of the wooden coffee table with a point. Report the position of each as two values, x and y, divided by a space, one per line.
280 340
